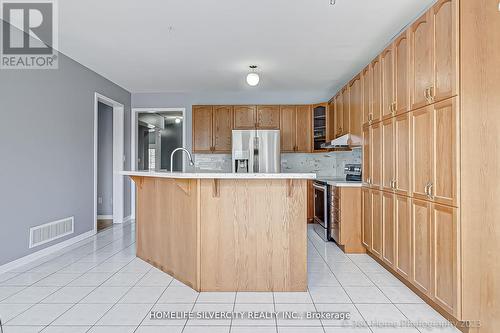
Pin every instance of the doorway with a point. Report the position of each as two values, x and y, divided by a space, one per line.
112 159
155 133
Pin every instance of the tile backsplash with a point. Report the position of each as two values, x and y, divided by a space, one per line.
323 164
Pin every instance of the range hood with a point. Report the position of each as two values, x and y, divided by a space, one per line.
345 141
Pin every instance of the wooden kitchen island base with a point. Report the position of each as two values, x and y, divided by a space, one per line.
225 234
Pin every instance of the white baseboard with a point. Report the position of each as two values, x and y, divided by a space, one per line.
43 252
129 219
104 217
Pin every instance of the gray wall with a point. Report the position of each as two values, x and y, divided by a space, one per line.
46 149
187 100
105 160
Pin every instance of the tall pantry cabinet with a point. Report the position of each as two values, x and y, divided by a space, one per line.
430 125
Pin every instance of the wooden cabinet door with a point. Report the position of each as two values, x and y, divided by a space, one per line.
402 154
367 87
376 155
445 166
355 107
421 147
202 128
268 117
445 52
421 245
346 111
376 90
445 253
401 73
303 129
366 198
377 232
340 114
388 154
331 126
387 64
222 129
389 229
245 117
421 61
402 214
287 128
366 156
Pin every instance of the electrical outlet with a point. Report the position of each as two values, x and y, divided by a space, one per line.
99 200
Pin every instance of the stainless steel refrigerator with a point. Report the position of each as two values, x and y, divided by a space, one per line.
256 151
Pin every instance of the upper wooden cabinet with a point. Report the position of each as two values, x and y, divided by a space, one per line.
402 154
401 73
376 156
388 100
332 110
339 113
376 106
268 117
303 129
388 155
202 128
366 174
355 106
212 128
295 128
245 116
434 55
367 95
222 128
346 107
434 143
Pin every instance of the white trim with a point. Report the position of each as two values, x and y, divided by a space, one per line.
44 252
104 217
133 143
118 156
129 218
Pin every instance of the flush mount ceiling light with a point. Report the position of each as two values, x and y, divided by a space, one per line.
252 77
177 120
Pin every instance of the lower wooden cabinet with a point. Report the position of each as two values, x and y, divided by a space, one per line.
445 254
389 229
421 249
345 217
418 240
402 214
366 225
377 232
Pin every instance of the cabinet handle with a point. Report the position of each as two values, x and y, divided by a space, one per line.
432 93
427 188
430 190
395 185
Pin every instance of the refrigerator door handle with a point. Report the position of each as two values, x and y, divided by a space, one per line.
256 161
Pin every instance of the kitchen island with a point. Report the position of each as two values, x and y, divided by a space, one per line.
224 231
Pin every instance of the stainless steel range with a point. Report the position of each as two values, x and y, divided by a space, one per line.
324 205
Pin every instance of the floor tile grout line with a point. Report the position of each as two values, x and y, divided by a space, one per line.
340 286
154 303
380 289
40 302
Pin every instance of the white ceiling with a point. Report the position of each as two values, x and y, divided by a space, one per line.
207 45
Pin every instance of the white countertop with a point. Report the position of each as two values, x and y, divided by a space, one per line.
340 182
214 175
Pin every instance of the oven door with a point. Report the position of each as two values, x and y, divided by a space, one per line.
321 204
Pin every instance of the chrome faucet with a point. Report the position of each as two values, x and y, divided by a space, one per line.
172 158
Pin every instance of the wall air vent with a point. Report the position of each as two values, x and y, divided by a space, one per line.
50 231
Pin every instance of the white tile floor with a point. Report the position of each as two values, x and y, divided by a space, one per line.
98 285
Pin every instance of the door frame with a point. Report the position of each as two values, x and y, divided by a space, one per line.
118 156
133 142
